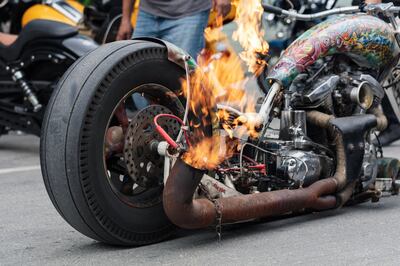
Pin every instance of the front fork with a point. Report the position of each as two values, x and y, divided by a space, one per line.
267 112
396 28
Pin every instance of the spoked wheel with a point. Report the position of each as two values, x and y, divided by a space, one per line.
98 150
134 167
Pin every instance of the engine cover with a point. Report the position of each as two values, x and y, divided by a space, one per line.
304 167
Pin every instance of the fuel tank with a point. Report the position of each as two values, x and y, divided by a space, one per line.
367 40
68 10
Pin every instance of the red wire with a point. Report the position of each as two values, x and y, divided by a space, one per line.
164 134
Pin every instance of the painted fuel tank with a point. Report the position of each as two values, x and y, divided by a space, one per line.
368 40
47 12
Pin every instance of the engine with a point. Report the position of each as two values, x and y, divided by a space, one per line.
301 153
290 161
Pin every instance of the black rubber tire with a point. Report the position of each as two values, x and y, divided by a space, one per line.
72 143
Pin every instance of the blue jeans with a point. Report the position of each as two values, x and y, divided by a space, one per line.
186 33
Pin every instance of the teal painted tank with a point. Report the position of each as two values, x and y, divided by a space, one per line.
368 40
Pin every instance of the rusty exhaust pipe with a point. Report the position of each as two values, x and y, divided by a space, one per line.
186 212
323 120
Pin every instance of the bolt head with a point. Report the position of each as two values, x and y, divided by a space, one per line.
350 147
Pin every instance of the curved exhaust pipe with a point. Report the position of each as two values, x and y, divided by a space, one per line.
186 212
189 213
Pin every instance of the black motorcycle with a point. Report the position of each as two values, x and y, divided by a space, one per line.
30 69
103 18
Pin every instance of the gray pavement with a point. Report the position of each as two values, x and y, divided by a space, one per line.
32 232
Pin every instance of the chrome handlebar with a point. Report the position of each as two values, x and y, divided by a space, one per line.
372 8
3 3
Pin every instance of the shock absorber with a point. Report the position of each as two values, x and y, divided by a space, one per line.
18 77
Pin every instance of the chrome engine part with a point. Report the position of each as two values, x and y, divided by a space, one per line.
296 160
293 124
304 167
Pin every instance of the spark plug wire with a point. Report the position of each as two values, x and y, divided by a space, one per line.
183 122
165 135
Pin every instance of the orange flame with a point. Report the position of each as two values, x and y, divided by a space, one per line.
209 153
250 34
220 79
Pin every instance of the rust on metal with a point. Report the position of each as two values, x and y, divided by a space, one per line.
328 193
382 121
114 140
323 121
190 213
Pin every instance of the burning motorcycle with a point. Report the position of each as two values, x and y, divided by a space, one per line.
203 152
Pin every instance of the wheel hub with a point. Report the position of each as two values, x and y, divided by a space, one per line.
144 164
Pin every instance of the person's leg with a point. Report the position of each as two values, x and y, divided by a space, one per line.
187 33
147 25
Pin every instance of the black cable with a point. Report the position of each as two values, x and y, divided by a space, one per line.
380 150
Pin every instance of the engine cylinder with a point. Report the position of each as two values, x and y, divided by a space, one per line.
293 122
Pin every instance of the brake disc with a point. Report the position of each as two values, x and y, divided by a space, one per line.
144 164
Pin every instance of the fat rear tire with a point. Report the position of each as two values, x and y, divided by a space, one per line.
72 142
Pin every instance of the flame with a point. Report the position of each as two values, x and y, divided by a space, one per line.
207 155
250 35
220 78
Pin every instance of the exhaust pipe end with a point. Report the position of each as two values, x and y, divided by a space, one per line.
189 213
178 201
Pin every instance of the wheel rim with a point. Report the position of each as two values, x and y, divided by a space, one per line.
132 165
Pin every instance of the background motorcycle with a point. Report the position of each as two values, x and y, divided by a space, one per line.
15 14
92 20
30 69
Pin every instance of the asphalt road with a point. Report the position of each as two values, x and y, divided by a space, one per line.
32 232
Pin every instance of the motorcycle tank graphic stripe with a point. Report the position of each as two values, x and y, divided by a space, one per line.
369 41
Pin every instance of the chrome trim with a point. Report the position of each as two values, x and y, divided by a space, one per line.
375 85
323 14
323 90
67 10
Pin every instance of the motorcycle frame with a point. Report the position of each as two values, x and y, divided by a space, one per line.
52 51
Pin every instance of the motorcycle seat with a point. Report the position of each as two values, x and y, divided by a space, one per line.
37 29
